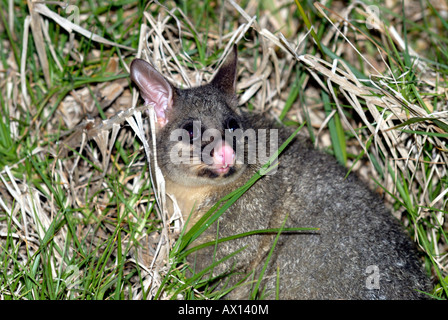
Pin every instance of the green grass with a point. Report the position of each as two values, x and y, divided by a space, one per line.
94 231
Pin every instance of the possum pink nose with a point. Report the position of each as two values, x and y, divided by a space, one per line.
224 155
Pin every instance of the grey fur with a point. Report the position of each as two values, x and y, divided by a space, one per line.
358 237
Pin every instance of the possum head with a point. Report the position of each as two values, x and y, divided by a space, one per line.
197 129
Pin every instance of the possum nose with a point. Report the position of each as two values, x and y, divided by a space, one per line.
224 155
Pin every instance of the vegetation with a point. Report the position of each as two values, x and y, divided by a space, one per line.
79 215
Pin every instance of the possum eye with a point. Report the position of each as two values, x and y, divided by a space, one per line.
193 130
232 124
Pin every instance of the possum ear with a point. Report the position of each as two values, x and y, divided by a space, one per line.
225 79
154 88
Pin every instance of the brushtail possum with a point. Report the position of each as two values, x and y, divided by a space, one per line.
359 251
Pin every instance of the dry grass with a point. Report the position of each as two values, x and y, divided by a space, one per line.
370 96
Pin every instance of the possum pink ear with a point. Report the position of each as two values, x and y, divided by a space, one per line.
225 79
154 88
